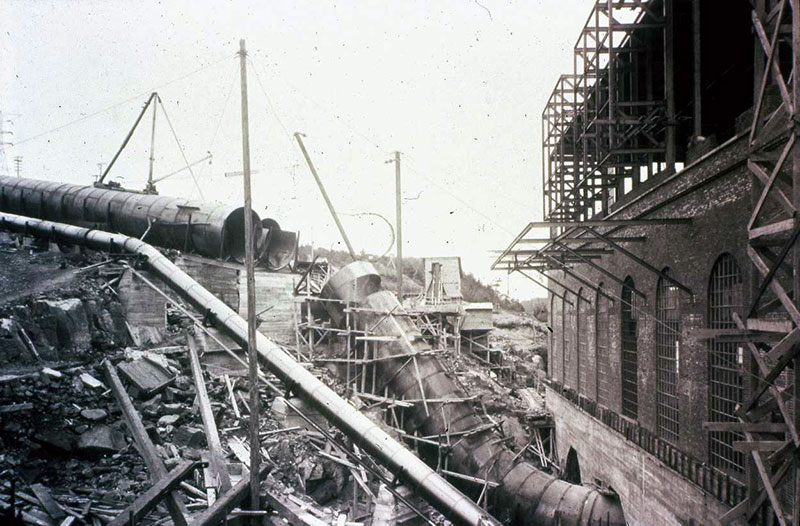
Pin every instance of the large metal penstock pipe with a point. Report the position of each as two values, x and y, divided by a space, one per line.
210 229
360 429
524 495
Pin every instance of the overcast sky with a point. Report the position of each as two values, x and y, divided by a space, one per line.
457 86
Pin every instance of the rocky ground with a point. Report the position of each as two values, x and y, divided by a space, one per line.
62 431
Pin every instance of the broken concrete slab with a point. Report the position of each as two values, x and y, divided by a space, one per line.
146 376
101 440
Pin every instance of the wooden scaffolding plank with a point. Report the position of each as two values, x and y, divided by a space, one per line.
216 457
150 498
155 466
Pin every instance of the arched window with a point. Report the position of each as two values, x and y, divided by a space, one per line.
668 329
582 358
630 354
558 309
558 340
551 355
602 348
570 373
725 296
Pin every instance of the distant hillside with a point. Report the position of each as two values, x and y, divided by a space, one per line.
472 289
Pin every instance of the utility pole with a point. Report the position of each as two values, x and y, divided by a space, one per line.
151 187
3 144
99 172
251 293
399 226
18 164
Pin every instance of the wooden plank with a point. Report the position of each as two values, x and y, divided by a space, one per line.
155 466
232 396
148 500
752 427
294 513
50 506
789 354
768 190
609 222
773 228
776 287
217 458
15 408
747 446
791 339
766 481
777 396
218 511
758 324
240 451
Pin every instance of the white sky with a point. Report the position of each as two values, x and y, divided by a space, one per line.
456 88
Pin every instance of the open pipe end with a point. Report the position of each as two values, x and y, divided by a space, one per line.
234 240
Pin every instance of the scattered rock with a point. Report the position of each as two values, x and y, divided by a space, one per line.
56 439
101 440
95 415
289 418
52 373
91 382
189 436
171 409
168 420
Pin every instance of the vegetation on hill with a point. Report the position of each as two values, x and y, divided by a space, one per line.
472 289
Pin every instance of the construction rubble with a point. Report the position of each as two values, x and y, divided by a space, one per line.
99 426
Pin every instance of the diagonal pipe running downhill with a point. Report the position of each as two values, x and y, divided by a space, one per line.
360 429
522 494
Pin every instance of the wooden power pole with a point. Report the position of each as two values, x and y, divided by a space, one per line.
251 292
399 226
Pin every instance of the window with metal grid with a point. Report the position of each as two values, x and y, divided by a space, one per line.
569 325
601 343
725 296
668 326
630 353
556 365
582 358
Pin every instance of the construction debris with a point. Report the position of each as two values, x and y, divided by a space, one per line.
168 423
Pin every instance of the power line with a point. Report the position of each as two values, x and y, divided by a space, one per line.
269 101
183 154
372 141
221 114
108 108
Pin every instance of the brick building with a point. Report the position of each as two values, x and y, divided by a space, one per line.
671 176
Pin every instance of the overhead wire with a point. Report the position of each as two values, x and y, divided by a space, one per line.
373 142
180 147
113 106
388 223
222 112
267 97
